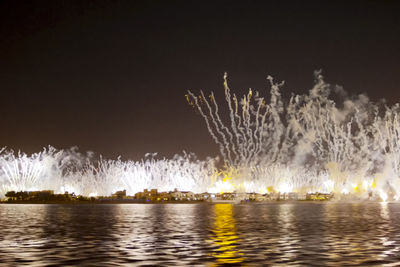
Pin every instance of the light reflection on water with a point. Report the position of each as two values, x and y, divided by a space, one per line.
330 234
224 235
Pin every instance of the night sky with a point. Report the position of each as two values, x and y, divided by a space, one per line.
110 76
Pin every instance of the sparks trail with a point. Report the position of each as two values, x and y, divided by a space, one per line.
343 146
253 123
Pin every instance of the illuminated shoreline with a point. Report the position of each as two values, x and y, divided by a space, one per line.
178 197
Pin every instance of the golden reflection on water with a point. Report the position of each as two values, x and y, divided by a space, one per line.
288 243
224 236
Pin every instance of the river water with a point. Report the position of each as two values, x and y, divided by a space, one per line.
278 234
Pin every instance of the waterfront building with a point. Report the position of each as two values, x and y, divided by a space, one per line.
182 195
148 195
164 196
119 194
204 196
318 196
288 196
40 194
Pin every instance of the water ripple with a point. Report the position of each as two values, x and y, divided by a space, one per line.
308 234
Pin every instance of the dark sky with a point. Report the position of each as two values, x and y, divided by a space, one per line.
110 76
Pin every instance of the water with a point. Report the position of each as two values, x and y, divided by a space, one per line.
331 234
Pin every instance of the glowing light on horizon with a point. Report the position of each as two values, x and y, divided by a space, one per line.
345 191
383 195
285 188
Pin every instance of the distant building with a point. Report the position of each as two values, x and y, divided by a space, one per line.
119 194
203 196
288 196
41 194
147 195
182 195
164 196
318 196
